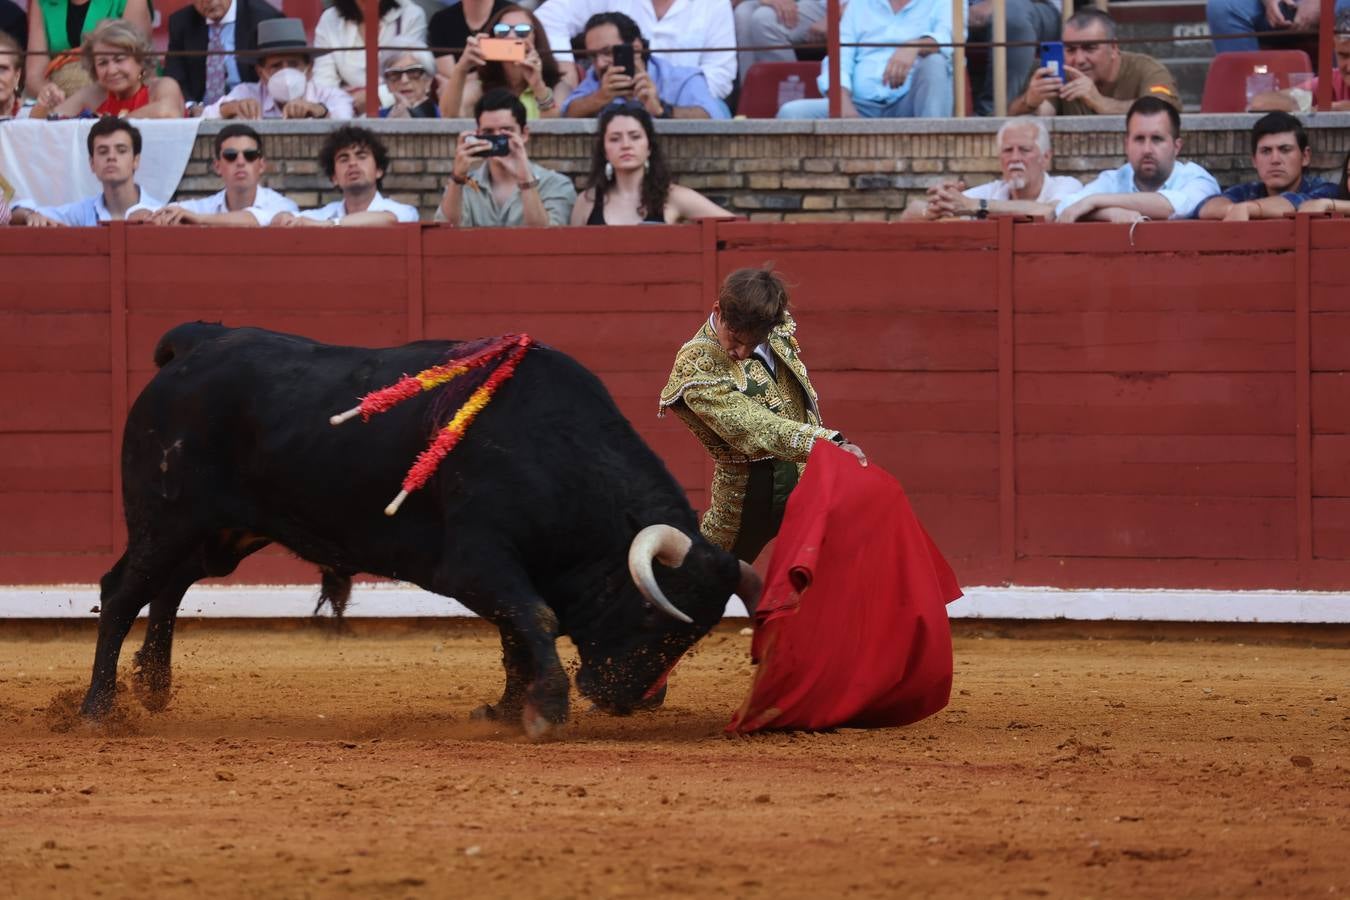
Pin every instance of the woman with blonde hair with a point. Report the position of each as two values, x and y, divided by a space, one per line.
11 77
536 80
117 55
57 29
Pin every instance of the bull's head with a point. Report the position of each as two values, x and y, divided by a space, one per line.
623 665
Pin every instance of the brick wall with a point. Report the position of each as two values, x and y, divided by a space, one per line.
769 170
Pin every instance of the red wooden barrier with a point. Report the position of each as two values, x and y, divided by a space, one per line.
1064 406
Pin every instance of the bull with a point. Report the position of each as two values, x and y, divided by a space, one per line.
551 518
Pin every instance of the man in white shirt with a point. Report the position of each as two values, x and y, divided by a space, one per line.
243 201
356 160
1153 184
114 156
668 25
285 88
1026 188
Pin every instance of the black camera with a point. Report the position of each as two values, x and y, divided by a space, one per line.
501 144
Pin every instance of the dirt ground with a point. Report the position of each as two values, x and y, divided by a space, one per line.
293 764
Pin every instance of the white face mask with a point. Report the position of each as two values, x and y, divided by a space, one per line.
286 85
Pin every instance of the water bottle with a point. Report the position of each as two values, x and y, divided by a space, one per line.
789 89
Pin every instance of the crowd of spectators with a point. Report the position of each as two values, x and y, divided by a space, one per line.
507 66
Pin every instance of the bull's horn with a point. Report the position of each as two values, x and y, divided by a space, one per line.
749 587
663 542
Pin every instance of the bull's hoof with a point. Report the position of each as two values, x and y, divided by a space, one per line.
500 712
152 685
537 726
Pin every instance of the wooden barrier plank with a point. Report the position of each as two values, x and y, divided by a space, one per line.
899 340
1215 282
54 569
1331 338
366 329
249 245
1182 465
1331 402
472 244
57 402
1329 234
446 294
1165 527
1234 403
49 283
1331 528
930 463
859 237
1331 465
42 461
550 271
1155 341
910 401
1180 574
889 281
964 528
56 521
54 342
1154 239
56 243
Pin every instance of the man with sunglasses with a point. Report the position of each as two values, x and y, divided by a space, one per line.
243 201
1099 78
665 90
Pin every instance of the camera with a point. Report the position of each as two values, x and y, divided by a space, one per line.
501 144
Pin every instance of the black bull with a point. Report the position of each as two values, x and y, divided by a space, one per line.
545 520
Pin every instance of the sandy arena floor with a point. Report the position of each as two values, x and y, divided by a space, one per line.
291 764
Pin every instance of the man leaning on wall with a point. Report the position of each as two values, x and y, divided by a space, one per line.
1280 156
1025 188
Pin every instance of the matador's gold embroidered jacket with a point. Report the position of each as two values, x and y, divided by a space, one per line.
742 414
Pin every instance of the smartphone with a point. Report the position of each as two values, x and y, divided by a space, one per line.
502 49
623 59
501 144
1052 57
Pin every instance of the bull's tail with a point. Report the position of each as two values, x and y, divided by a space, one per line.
179 341
335 589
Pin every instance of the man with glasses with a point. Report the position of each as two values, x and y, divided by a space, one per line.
243 201
1099 78
666 90
504 191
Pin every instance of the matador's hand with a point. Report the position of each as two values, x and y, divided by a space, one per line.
856 451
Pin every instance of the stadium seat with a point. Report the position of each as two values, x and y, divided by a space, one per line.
1226 83
759 89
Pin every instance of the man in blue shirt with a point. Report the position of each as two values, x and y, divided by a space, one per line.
667 91
114 155
1153 184
912 76
1280 153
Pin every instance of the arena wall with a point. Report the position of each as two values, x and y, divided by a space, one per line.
1072 406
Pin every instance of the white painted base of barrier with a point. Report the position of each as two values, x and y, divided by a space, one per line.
402 601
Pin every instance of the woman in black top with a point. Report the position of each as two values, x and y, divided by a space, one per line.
629 183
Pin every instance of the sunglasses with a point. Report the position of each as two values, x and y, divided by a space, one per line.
249 155
414 73
501 29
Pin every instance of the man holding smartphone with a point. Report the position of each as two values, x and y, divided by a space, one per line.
622 68
1098 79
506 190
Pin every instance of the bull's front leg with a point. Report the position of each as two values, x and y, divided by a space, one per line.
536 685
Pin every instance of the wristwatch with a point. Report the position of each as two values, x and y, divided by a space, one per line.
528 185
667 110
983 211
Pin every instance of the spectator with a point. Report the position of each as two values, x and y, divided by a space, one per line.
215 25
629 183
1341 202
504 190
761 23
913 79
286 88
114 156
534 81
1247 17
1280 153
240 163
116 55
688 26
1102 78
14 22
356 160
58 28
11 73
409 71
1152 184
1026 188
666 90
1029 23
1340 79
340 26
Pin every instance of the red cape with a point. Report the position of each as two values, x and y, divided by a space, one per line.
852 626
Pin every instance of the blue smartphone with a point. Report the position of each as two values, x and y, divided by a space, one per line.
1052 57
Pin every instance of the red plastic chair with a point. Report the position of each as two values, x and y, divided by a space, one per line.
1226 83
759 90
